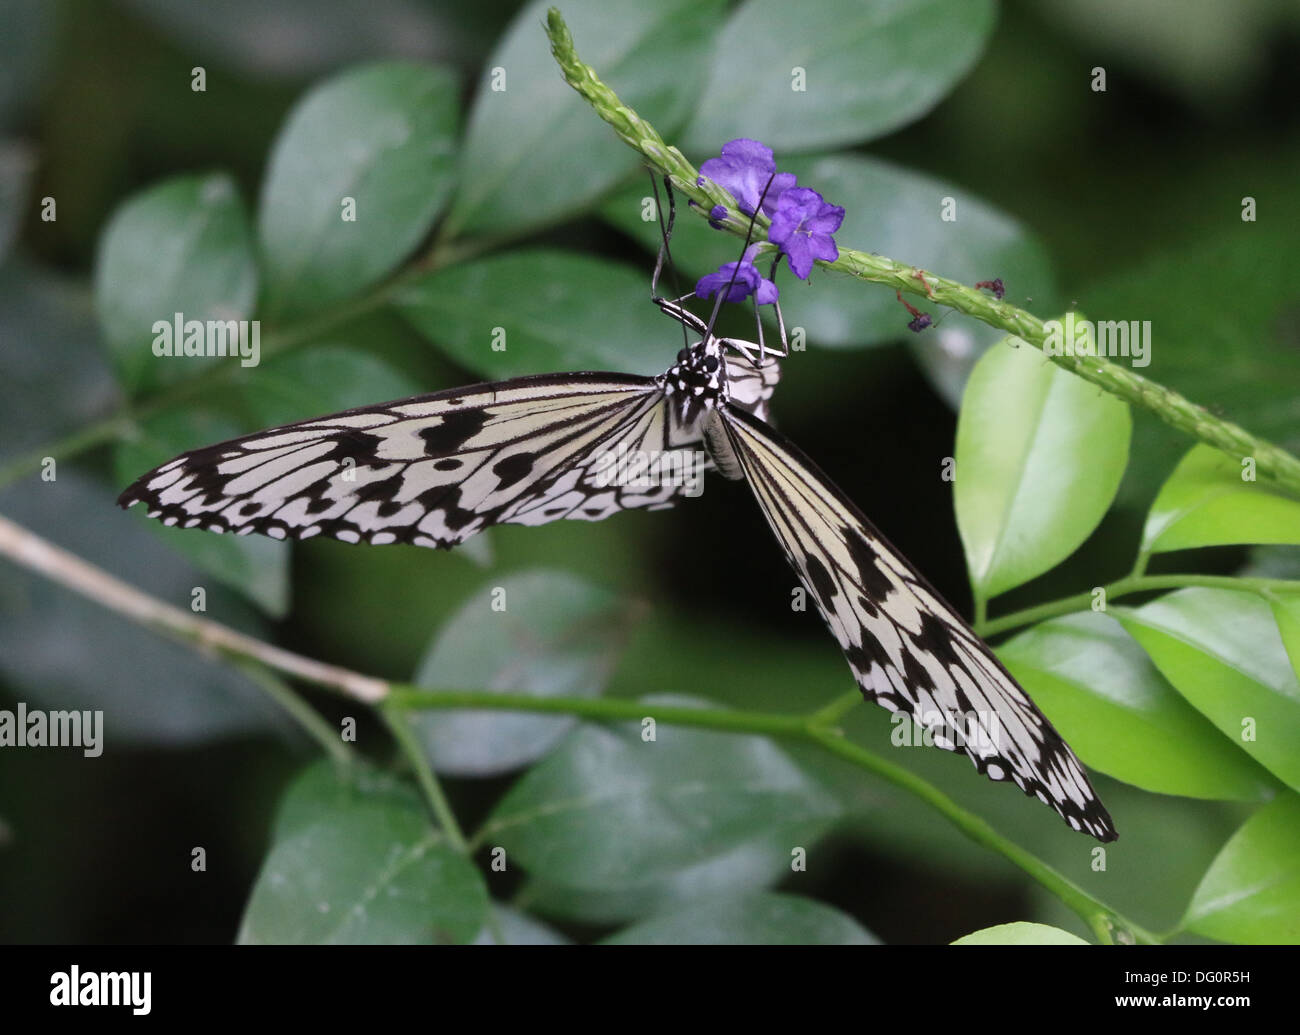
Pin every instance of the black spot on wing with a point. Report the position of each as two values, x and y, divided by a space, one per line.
358 446
874 581
822 583
512 469
452 432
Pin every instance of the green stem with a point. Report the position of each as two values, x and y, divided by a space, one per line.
303 713
1171 407
1128 585
399 725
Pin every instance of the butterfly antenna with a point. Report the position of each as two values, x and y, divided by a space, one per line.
749 238
665 254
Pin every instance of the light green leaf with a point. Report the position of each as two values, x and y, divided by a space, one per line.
382 135
828 73
1286 612
1221 650
762 919
537 632
534 150
1121 715
1206 502
1040 454
610 809
183 246
1251 894
324 379
546 311
518 928
1020 933
358 865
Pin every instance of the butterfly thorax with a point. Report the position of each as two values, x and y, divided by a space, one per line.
696 385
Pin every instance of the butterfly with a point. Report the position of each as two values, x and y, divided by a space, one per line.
434 469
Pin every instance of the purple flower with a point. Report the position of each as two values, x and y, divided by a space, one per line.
716 215
802 225
744 169
919 323
744 278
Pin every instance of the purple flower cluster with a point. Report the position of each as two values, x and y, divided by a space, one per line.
802 221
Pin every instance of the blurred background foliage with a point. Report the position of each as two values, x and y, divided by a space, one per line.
1125 202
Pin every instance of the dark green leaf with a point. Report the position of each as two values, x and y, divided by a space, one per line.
1251 894
382 135
827 73
537 632
762 919
1222 651
529 312
362 866
185 247
1040 454
534 150
1120 714
609 809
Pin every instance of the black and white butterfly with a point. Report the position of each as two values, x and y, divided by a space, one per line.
434 469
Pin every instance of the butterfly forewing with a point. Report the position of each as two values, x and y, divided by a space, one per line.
909 651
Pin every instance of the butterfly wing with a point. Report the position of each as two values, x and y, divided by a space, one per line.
430 470
908 649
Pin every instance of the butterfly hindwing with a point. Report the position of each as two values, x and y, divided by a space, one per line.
909 651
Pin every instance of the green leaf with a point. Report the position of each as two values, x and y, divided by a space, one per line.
1221 650
185 247
517 928
760 862
324 379
1251 894
17 163
1040 454
1206 502
762 919
544 633
1120 714
609 809
547 311
1020 933
382 135
360 865
1286 612
890 210
256 566
862 70
534 150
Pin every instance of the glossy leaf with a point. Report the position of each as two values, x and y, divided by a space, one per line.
762 919
1121 716
1286 612
362 867
1222 651
1208 502
829 73
1252 892
1039 456
534 150
528 312
184 246
382 136
1020 933
609 809
544 633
